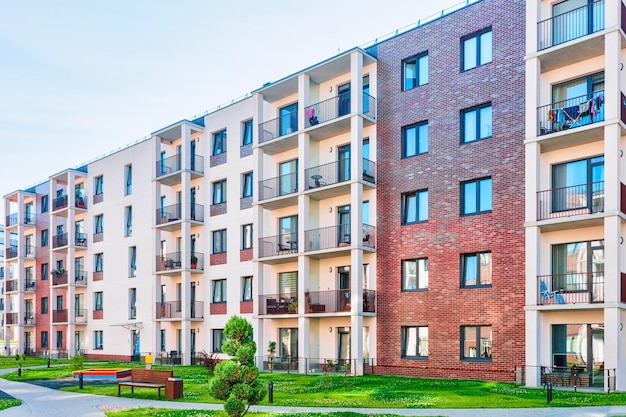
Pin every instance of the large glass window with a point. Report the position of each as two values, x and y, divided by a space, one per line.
288 233
476 269
415 139
246 133
415 207
476 342
219 192
579 266
476 196
246 236
98 261
414 274
218 291
219 142
219 241
218 339
288 284
98 301
476 50
44 339
415 71
414 342
246 185
580 345
288 118
246 289
573 19
578 184
288 342
476 123
98 223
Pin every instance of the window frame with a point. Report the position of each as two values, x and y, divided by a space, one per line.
247 132
132 303
478 110
44 237
98 339
246 288
98 262
218 137
98 185
128 217
415 59
45 270
404 332
98 301
419 278
128 177
221 185
45 305
247 186
45 203
98 224
479 59
404 210
219 289
418 139
247 236
217 335
478 342
464 269
218 236
478 183
132 261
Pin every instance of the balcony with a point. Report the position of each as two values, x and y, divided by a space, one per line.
80 316
29 285
567 202
569 34
168 214
59 203
29 319
173 262
168 168
80 240
275 304
59 240
29 220
571 114
11 252
339 236
29 251
173 310
11 219
80 202
80 277
12 319
570 288
285 125
11 285
326 118
59 316
279 245
59 277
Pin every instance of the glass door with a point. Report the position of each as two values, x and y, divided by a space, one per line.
343 93
288 233
192 161
344 344
343 232
343 165
288 119
343 282
288 177
136 345
193 203
193 302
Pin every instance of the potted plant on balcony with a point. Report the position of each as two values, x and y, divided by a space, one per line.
59 271
194 261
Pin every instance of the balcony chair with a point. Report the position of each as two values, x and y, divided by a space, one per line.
550 295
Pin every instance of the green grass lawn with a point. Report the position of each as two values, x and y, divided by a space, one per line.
374 391
164 412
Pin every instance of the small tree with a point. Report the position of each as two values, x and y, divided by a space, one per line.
236 380
271 349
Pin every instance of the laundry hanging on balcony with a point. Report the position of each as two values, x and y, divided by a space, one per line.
574 113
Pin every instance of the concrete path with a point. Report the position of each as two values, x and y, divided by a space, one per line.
40 401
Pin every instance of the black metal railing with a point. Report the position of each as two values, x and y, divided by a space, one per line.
571 25
369 171
279 245
336 107
168 165
286 303
81 240
280 126
59 278
59 240
29 285
168 214
328 174
11 318
59 202
327 237
330 301
569 201
29 219
572 113
570 288
278 186
80 277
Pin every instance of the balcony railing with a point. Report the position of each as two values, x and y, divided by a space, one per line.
29 251
59 316
11 318
59 278
333 301
328 174
80 240
570 288
197 163
327 237
278 303
29 220
369 301
173 261
197 212
12 219
278 186
11 252
168 214
369 236
80 315
571 25
285 244
11 285
80 277
29 319
280 126
336 107
169 310
59 203
168 165
369 171
572 113
59 240
80 202
29 285
570 201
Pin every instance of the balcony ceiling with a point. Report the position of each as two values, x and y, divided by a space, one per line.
572 52
172 132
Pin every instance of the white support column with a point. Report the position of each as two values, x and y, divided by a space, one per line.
185 247
356 315
304 329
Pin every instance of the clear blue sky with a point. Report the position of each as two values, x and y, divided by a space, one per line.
81 78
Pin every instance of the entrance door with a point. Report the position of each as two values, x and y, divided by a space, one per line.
288 177
343 165
343 231
343 93
136 348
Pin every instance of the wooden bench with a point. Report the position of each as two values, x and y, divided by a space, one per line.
146 378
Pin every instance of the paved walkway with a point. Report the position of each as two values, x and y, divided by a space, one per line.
38 401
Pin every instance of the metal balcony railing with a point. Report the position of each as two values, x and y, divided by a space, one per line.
29 251
197 163
278 186
570 288
572 113
169 310
59 316
197 212
332 301
173 261
11 252
285 244
11 318
29 285
59 277
571 25
80 240
168 165
569 201
29 220
327 237
11 285
280 126
328 174
80 202
29 319
80 277
59 240
168 214
369 171
271 304
59 203
12 219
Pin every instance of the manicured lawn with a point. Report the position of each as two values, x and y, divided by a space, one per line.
4 404
164 412
374 391
10 362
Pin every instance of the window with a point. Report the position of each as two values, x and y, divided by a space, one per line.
97 339
476 123
132 303
44 339
59 339
163 339
415 139
246 236
288 284
578 184
414 342
218 339
219 142
476 342
415 274
415 71
219 291
288 119
44 305
476 269
30 250
219 241
246 289
246 133
288 342
44 272
476 196
129 221
44 205
44 238
415 207
579 266
132 261
128 176
98 185
98 224
29 213
219 192
97 301
246 185
98 261
476 50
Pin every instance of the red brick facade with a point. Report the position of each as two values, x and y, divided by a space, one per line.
445 306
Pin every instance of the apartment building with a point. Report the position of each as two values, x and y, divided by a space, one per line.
575 212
